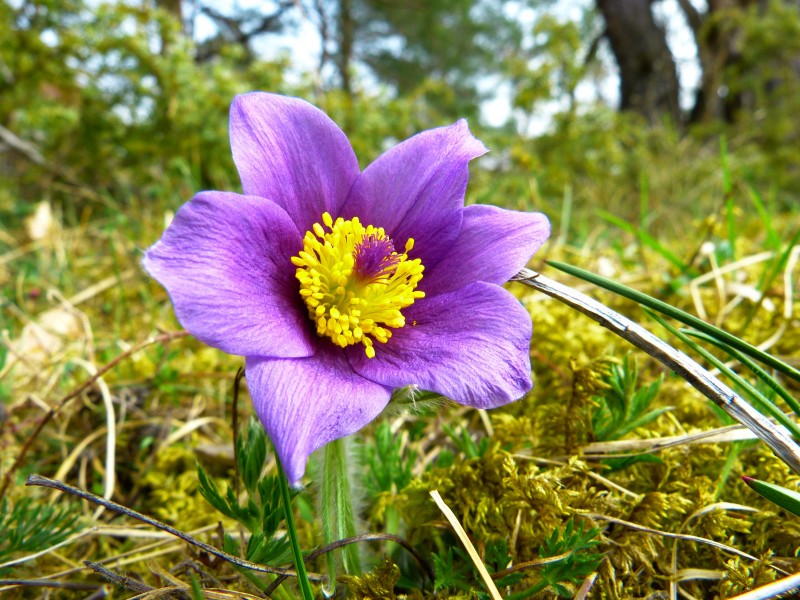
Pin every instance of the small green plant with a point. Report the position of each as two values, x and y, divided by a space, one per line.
464 442
389 466
452 570
261 511
579 562
31 526
624 406
497 559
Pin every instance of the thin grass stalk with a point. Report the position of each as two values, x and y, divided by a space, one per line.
681 316
757 397
38 480
299 565
757 370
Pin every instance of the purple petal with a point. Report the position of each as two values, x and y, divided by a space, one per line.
226 263
304 403
471 345
290 152
417 188
493 245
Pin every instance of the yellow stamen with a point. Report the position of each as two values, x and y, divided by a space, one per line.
354 283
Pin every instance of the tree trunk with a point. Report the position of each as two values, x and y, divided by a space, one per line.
346 41
174 8
648 76
718 48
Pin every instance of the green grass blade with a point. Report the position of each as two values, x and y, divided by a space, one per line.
299 565
773 239
769 275
760 401
730 216
646 239
727 186
681 316
754 367
786 499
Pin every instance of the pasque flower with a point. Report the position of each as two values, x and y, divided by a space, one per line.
339 285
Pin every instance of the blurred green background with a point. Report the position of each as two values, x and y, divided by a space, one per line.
596 105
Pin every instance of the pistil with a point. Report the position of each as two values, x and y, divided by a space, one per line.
354 283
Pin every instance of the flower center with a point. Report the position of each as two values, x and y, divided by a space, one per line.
354 283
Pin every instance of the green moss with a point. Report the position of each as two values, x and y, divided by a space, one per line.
376 585
172 491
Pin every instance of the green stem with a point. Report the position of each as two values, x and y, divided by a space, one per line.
336 510
299 565
392 518
734 451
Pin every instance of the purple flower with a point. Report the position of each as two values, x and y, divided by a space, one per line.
339 285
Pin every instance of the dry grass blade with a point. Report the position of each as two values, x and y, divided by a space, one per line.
586 587
530 563
695 574
8 584
130 557
713 389
787 585
622 448
667 534
597 477
679 575
462 535
111 433
163 338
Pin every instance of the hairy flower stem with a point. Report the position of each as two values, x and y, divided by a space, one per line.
336 508
299 565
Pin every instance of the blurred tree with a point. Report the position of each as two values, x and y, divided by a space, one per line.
106 101
408 45
728 35
717 43
647 73
239 27
748 49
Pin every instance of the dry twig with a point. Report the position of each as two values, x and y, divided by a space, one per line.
38 480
